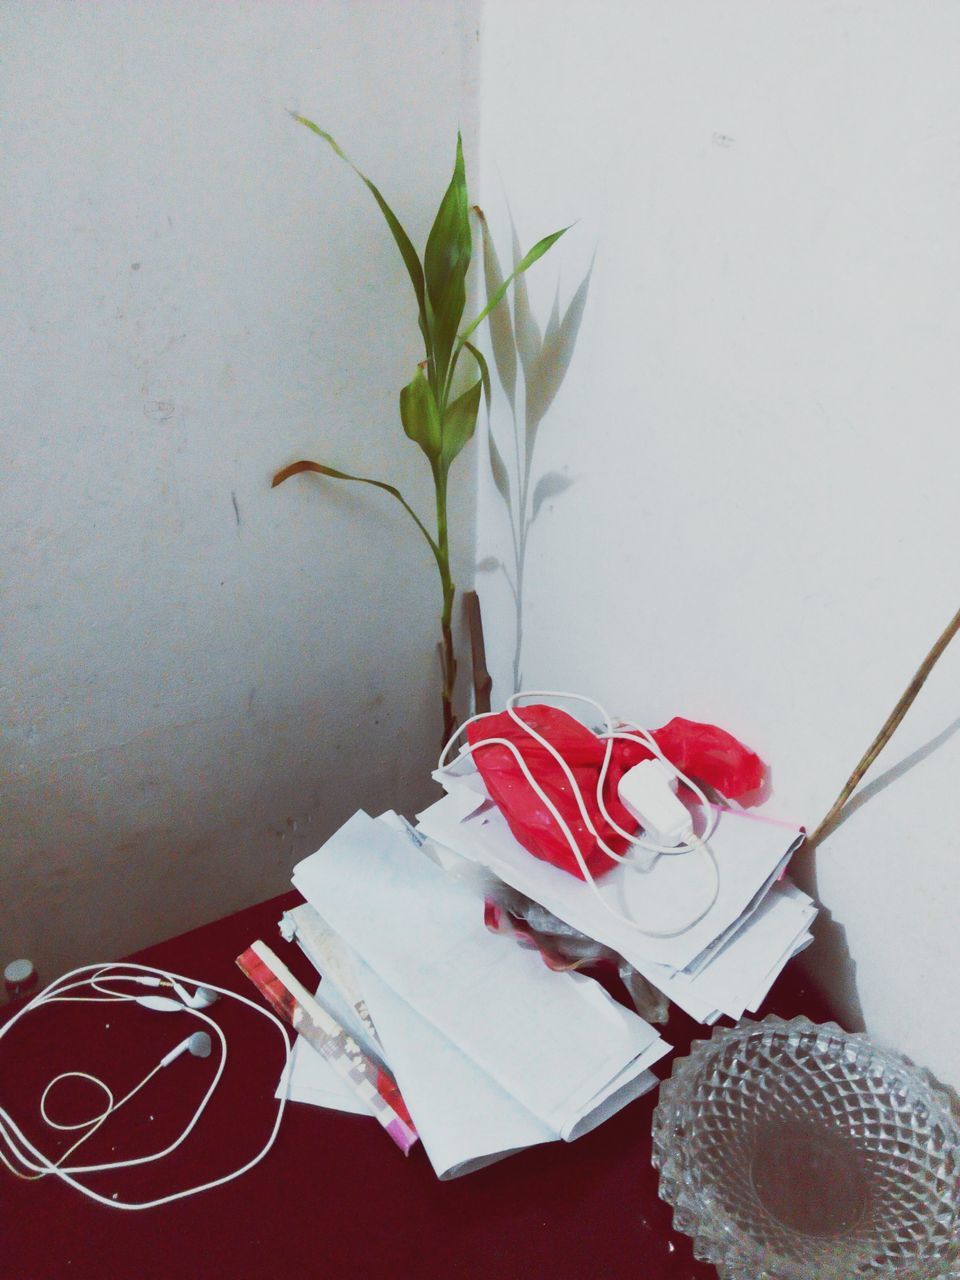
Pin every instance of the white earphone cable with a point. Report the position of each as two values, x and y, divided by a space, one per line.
19 1148
695 843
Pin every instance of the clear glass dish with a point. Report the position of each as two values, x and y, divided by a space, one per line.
792 1151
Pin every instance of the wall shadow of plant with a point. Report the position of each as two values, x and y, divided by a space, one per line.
543 360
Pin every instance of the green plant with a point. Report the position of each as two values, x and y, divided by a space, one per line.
436 412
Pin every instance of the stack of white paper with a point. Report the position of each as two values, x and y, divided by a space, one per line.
491 1050
724 964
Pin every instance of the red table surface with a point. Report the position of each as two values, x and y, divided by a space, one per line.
334 1197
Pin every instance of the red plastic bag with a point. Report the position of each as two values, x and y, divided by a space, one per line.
703 752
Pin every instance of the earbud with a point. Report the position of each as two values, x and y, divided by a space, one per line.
202 998
198 1044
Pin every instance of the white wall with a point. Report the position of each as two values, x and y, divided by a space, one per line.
202 677
761 416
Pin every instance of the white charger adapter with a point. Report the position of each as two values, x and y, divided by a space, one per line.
648 792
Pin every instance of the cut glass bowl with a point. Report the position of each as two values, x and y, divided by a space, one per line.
792 1151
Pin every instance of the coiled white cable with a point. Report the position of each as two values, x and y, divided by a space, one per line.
695 843
20 1151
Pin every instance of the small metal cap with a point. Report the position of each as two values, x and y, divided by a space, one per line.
18 972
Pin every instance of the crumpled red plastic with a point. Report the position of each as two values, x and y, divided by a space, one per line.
704 752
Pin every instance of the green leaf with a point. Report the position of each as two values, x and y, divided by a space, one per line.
537 252
484 372
297 468
420 415
459 422
501 477
446 322
550 367
501 326
407 252
550 485
445 263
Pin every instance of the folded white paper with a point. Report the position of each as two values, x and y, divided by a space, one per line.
749 851
723 965
749 962
312 1079
441 986
465 1119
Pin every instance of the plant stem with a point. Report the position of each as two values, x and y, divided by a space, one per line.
889 726
448 659
449 670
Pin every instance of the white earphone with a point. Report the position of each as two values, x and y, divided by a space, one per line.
26 1161
202 998
608 734
199 1044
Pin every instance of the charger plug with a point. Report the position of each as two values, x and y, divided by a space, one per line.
648 792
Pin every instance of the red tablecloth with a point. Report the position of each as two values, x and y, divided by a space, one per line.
334 1198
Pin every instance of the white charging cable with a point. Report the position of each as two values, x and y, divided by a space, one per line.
26 1161
690 843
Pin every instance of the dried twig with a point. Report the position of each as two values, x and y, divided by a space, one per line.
482 683
886 733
